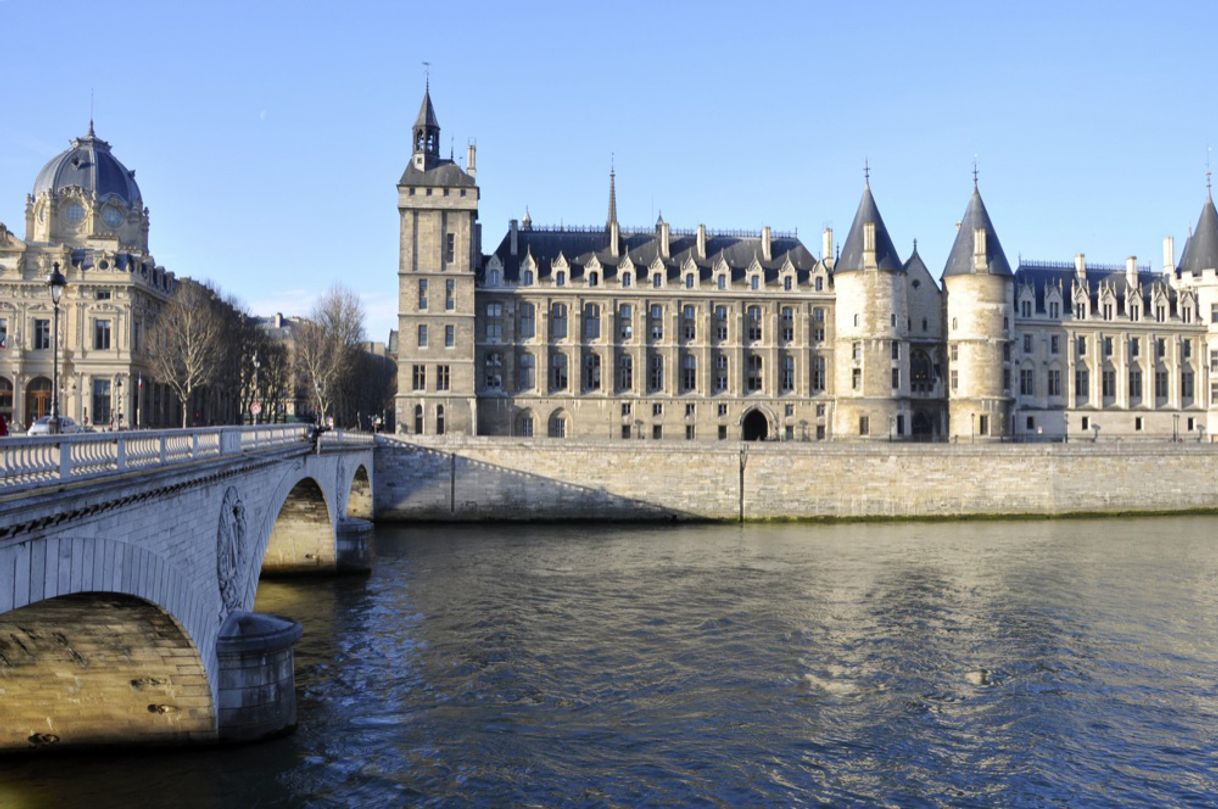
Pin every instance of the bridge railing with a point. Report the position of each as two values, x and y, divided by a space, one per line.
38 460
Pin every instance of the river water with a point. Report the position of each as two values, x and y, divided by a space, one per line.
1029 663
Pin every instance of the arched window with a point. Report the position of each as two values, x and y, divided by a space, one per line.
689 372
418 419
657 279
557 427
753 322
524 424
527 280
439 419
721 281
755 282
921 372
592 372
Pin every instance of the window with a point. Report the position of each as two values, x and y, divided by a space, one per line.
418 419
558 425
42 334
755 282
625 322
656 325
1027 344
1025 309
1086 423
689 372
627 279
1108 383
558 321
983 425
1137 424
135 336
493 278
558 371
101 335
818 375
689 432
1006 352
1107 311
818 324
953 352
1135 384
1186 384
1161 348
1187 347
101 401
422 335
494 322
1160 313
896 350
657 280
856 378
864 425
786 283
689 280
1055 382
954 381
528 323
592 321
657 431
593 279
722 432
1135 346
102 295
526 372
689 322
820 284
3 332
592 372
1054 309
441 377
450 336
494 371
1054 344
422 295
450 302
1082 346
691 410
720 383
655 372
450 248
1107 346
896 378
722 411
418 377
753 323
788 322
720 323
752 381
625 372
526 425
786 379
625 408
721 281
560 279
1081 383
1135 314
527 280
1186 314
1027 384
657 410
1160 384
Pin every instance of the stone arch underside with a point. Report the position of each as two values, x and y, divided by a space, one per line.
97 668
302 537
359 498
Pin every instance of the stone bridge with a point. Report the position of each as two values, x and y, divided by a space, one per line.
128 567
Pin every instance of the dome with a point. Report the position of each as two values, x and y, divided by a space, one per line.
89 166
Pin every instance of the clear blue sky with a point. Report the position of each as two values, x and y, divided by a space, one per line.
268 137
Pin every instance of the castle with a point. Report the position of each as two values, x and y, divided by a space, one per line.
617 333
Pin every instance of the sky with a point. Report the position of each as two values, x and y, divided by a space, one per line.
268 137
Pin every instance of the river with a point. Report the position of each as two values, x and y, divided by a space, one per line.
1025 663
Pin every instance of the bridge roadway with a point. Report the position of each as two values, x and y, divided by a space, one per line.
128 567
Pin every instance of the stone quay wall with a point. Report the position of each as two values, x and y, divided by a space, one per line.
456 478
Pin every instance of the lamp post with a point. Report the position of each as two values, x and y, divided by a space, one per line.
55 282
257 410
118 393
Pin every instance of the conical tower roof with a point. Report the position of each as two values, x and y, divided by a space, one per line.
886 257
427 113
1201 249
960 261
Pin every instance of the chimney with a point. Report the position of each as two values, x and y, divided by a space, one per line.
979 262
279 320
702 242
513 226
1169 255
1080 267
471 163
615 239
826 245
1131 272
767 243
662 232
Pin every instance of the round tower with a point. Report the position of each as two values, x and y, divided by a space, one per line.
871 317
980 291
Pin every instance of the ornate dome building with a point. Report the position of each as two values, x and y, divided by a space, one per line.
85 214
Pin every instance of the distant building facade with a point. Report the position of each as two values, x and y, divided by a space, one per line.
641 333
87 216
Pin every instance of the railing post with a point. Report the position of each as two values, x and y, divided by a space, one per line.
194 445
164 447
230 441
65 459
121 453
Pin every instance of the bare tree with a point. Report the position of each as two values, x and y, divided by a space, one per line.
326 346
185 343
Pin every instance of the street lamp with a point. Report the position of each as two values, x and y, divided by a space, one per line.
55 282
257 410
118 392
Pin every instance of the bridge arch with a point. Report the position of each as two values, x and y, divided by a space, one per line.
359 494
101 667
300 537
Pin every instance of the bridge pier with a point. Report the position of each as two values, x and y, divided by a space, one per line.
257 688
355 548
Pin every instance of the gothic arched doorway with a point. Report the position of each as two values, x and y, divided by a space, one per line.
755 426
923 426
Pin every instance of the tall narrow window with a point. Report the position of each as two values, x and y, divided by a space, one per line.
422 294
720 323
528 323
753 373
493 378
42 334
788 322
525 372
720 383
418 377
441 377
656 326
625 322
592 321
689 372
450 248
818 374
450 336
494 322
655 372
439 419
592 372
422 335
558 371
558 321
625 372
753 322
787 379
689 322
418 419
101 335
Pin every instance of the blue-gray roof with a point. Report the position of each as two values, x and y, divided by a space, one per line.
1201 249
960 259
886 257
88 165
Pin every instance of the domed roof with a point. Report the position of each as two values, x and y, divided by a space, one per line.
88 165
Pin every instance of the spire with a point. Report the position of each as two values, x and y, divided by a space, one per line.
858 242
1201 250
426 132
612 195
970 248
866 174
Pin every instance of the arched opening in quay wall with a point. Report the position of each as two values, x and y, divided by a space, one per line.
755 426
359 500
100 668
302 538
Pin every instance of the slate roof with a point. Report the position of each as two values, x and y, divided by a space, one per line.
88 165
960 259
1201 249
442 173
427 113
1043 275
579 246
851 259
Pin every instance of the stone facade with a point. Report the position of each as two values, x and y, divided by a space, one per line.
87 217
666 334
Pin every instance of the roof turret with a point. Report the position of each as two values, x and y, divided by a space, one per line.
857 242
1201 249
966 250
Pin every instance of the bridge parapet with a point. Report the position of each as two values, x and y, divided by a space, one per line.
31 461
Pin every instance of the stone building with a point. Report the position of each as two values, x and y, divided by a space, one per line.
619 333
87 216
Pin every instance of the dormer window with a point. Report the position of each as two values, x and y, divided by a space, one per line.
656 280
689 280
593 280
1160 313
820 284
721 281
493 278
1025 308
786 283
1186 314
527 280
1054 309
754 283
560 279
